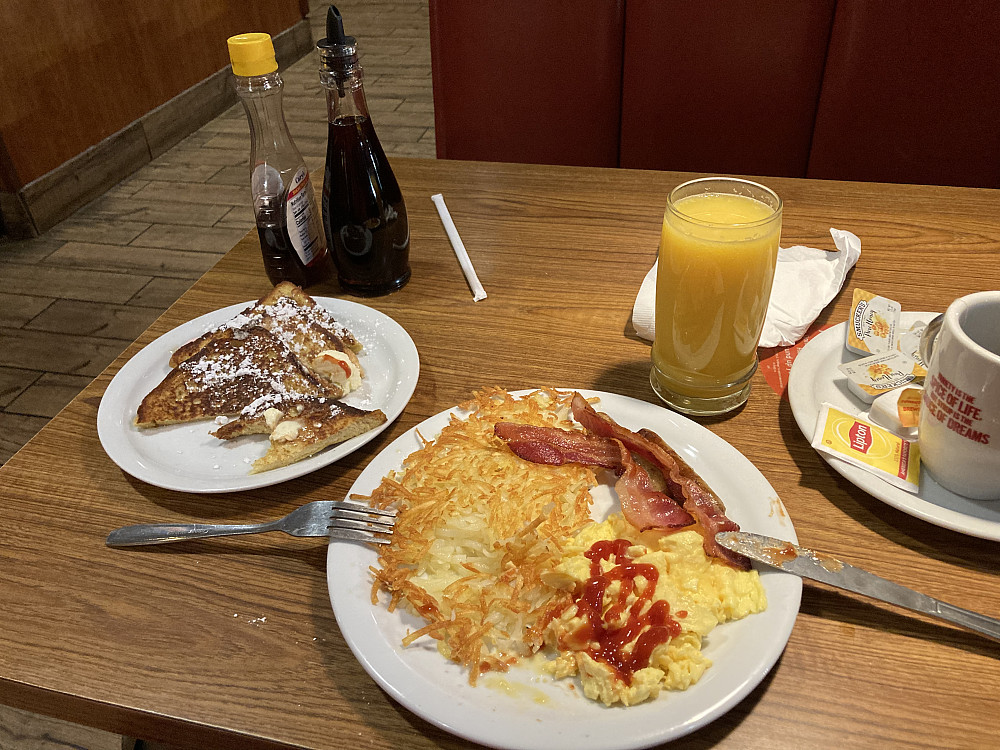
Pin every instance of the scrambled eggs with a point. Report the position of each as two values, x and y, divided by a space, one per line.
701 594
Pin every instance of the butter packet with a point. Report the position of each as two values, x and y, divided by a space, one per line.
909 344
871 329
863 444
870 377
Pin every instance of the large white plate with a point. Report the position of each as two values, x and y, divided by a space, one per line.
815 379
421 679
187 458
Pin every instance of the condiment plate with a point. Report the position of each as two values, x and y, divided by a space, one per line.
521 708
815 380
186 458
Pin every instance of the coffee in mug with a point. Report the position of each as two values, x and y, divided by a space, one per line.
960 412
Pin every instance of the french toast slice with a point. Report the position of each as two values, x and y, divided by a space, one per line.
239 368
300 428
307 328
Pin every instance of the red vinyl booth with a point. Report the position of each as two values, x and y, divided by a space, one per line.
878 90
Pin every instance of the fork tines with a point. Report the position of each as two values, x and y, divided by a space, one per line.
356 521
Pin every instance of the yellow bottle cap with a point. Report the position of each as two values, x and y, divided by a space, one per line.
252 54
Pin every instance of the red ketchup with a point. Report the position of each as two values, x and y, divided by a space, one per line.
600 636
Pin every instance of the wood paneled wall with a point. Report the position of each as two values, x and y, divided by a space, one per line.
73 73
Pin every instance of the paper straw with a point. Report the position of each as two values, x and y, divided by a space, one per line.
478 293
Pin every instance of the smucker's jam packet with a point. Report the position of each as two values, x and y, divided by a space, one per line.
909 344
871 328
870 377
868 446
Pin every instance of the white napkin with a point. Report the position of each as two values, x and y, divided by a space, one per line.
805 280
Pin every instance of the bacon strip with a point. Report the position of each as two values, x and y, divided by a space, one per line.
549 445
683 483
642 505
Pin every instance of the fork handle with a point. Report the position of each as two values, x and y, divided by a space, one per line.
162 533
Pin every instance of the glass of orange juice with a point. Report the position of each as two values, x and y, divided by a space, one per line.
718 249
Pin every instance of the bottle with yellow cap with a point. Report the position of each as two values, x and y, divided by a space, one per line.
284 204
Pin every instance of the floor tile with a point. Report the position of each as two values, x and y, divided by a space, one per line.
112 209
74 283
13 381
68 354
15 431
160 293
172 192
84 229
47 396
95 319
150 260
17 310
28 251
176 237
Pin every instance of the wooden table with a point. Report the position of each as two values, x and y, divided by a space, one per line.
232 643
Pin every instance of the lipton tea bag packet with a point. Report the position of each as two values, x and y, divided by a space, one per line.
870 377
872 326
863 444
909 344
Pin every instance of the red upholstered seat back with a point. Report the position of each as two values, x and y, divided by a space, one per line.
876 90
527 81
720 86
911 94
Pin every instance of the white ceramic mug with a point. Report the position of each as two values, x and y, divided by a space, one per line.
960 411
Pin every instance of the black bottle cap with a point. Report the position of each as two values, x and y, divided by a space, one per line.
336 39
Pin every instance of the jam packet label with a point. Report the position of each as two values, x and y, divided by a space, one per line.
909 344
863 444
872 326
870 377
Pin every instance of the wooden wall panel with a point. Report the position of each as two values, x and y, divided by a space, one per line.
74 73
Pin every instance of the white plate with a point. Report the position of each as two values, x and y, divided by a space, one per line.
421 679
815 379
185 457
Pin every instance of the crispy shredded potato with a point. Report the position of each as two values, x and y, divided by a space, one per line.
477 528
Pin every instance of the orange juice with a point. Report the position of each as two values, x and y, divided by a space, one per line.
716 265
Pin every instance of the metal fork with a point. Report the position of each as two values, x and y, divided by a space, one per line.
336 519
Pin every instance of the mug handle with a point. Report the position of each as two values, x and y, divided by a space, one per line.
928 338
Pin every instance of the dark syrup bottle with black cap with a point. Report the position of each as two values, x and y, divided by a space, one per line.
364 216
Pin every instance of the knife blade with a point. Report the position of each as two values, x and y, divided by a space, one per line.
805 563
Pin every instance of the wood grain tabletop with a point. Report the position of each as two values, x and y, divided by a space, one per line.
232 643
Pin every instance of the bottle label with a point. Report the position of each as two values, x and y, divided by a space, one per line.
303 218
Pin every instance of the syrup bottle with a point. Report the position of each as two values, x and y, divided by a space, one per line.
364 216
284 204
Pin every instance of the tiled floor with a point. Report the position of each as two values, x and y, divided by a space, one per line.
75 297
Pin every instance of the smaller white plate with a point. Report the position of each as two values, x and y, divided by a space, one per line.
186 458
815 380
538 713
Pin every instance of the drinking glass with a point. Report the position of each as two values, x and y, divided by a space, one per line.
718 250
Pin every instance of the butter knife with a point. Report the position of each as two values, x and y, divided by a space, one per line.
808 564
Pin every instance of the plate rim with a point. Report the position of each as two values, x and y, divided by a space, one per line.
786 612
808 361
112 407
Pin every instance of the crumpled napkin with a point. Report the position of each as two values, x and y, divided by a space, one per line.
805 280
